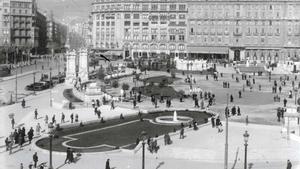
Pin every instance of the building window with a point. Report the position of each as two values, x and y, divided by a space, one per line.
127 16
113 23
136 16
127 23
145 7
181 37
182 16
173 7
182 7
102 23
172 38
153 37
154 7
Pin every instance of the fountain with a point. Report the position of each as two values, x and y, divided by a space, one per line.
173 120
175 116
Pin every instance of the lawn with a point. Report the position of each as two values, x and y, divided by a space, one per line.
159 79
165 91
126 133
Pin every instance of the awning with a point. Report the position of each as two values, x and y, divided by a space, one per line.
207 50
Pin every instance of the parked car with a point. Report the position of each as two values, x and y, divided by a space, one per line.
38 86
58 79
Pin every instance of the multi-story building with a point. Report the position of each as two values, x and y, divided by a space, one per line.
56 35
265 31
40 33
21 12
140 28
4 30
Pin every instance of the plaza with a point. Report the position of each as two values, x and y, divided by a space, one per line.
269 146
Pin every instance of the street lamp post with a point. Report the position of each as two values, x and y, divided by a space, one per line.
143 138
226 134
16 92
33 82
246 138
50 87
50 151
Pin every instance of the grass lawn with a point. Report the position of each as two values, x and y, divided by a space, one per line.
166 91
159 79
116 136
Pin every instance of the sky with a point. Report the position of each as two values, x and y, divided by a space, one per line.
66 9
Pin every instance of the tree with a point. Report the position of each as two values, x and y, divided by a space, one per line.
115 84
125 86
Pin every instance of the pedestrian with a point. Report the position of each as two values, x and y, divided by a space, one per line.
107 165
280 88
71 155
11 143
181 133
134 103
99 113
38 129
21 140
68 155
30 135
278 114
202 104
213 122
284 102
76 118
35 114
12 123
23 103
35 159
53 119
219 125
112 105
240 94
21 166
62 117
7 144
238 111
247 120
46 119
289 164
231 98
72 117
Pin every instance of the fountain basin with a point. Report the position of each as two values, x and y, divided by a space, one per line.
170 120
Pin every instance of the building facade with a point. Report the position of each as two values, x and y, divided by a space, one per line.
4 30
263 31
40 33
56 35
21 12
140 28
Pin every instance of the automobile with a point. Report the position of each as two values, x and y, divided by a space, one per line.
58 79
38 86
